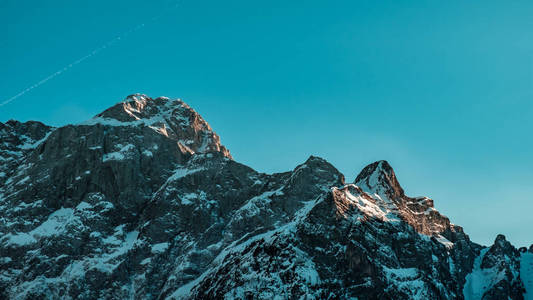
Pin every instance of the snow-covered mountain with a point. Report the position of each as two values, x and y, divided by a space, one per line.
144 202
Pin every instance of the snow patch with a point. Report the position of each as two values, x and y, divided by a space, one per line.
159 248
444 241
54 225
122 154
480 280
34 144
179 173
377 209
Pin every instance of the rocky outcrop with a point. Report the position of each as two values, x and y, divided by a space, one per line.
143 201
504 260
173 119
379 180
18 139
496 273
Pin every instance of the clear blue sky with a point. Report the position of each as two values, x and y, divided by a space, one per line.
441 89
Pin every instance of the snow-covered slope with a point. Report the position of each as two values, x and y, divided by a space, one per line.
143 202
496 273
526 273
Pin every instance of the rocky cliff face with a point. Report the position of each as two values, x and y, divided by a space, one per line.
144 202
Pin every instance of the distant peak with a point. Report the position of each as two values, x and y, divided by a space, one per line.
500 239
315 159
316 169
502 243
379 177
501 250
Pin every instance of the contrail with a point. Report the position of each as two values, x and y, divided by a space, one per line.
91 54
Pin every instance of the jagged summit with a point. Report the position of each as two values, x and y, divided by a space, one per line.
500 240
499 271
379 181
172 118
139 106
379 178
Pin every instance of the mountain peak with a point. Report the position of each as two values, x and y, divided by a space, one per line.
500 239
379 178
172 118
127 185
137 107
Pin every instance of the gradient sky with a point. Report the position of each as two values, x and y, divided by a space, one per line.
443 90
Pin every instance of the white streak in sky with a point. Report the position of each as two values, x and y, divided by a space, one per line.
74 63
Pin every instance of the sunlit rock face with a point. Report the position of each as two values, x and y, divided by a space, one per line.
143 201
171 118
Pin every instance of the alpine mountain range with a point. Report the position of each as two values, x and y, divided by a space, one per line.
144 202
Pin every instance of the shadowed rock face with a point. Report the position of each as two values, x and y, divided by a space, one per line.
16 140
143 201
503 259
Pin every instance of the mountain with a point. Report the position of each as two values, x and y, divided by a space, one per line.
144 202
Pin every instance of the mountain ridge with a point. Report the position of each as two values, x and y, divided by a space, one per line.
143 201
